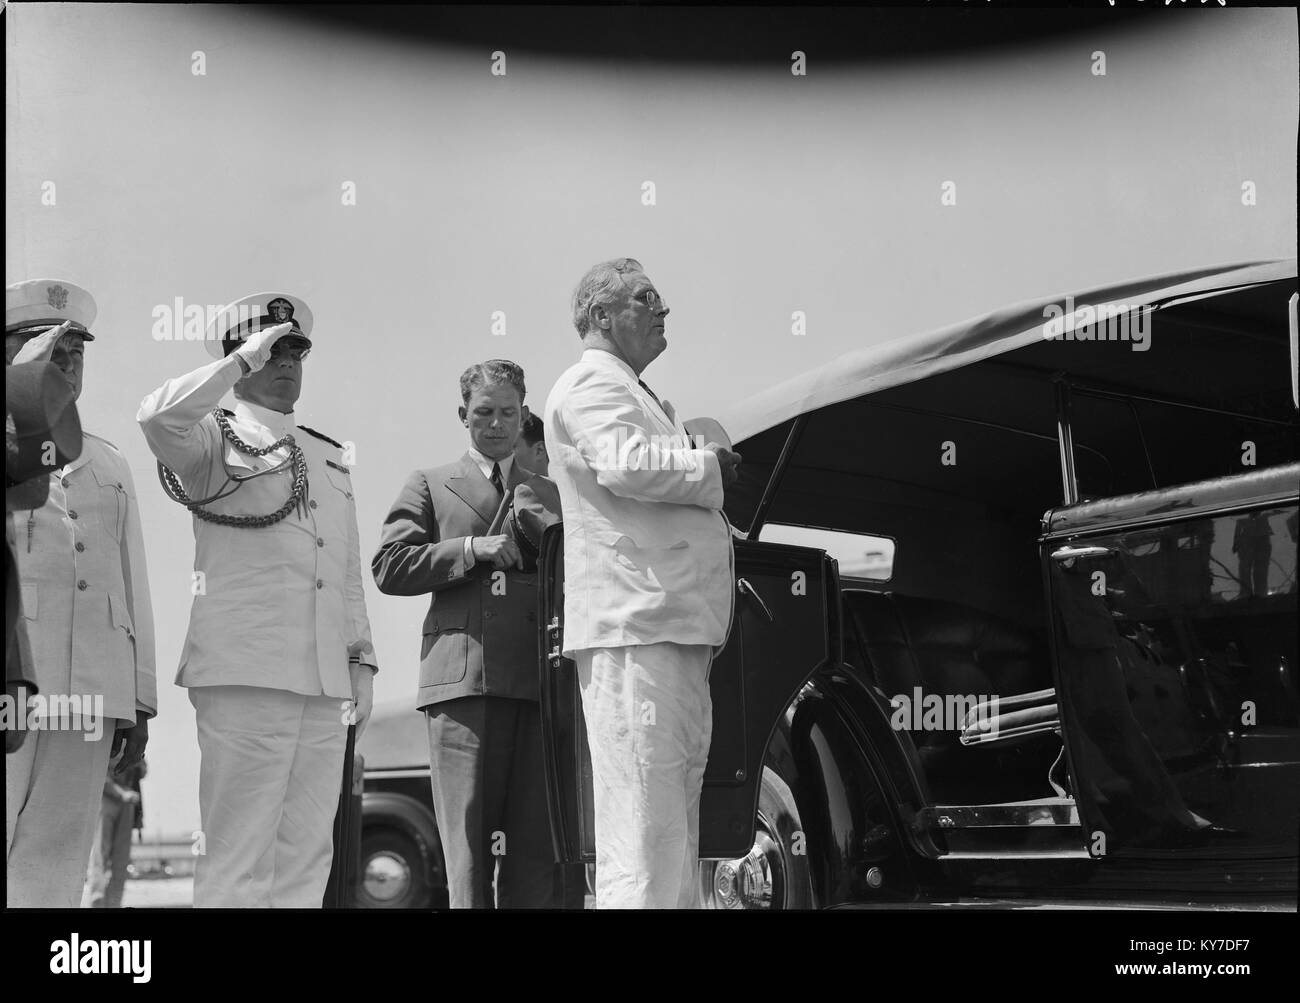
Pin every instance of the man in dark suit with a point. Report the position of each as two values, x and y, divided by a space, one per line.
447 534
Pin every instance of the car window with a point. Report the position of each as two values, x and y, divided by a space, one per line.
859 555
1125 445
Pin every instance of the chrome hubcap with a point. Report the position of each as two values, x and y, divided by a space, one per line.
748 882
386 877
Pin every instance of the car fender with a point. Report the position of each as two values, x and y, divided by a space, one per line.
854 822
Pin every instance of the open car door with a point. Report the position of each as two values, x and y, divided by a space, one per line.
1174 617
780 636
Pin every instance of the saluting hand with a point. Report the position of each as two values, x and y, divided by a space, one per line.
41 347
256 349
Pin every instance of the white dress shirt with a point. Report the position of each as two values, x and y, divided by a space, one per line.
485 466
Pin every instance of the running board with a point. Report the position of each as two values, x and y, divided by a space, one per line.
1079 854
1041 829
1015 814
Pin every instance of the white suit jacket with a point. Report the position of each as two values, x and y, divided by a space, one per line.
280 606
647 549
85 588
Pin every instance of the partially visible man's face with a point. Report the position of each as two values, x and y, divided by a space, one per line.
637 321
69 355
532 458
278 384
493 415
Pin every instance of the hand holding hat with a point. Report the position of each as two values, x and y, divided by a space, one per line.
708 429
256 349
718 442
41 347
42 429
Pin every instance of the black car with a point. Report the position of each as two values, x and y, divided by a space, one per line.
1015 620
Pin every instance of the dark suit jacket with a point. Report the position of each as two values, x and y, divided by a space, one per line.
480 636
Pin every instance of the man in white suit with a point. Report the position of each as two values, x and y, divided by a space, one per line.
277 659
85 598
648 570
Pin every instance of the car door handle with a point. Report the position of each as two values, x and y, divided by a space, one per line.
1073 553
744 588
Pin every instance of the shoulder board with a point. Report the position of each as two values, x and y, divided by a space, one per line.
321 435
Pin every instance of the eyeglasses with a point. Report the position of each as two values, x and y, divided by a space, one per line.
296 352
650 298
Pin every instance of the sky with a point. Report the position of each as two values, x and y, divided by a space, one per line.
479 195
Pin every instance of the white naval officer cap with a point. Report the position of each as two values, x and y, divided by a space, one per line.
39 304
236 321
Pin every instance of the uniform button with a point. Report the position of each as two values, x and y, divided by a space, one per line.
82 585
320 541
80 546
312 503
488 613
320 584
72 513
64 482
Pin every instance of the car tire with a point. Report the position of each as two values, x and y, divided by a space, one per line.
775 875
778 811
392 872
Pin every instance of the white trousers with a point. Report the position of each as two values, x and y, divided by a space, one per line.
53 786
649 720
269 779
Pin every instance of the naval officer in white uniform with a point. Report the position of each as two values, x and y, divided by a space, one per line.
85 600
278 657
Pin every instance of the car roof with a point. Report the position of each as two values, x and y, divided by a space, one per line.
396 738
915 357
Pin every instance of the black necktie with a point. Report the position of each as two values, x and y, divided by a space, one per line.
496 480
652 394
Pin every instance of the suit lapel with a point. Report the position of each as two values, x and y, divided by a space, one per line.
671 412
657 411
475 490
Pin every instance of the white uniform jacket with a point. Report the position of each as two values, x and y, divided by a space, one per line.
85 587
647 549
279 606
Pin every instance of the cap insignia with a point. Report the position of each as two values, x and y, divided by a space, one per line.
281 310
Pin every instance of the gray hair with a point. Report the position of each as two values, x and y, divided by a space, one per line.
598 287
483 374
